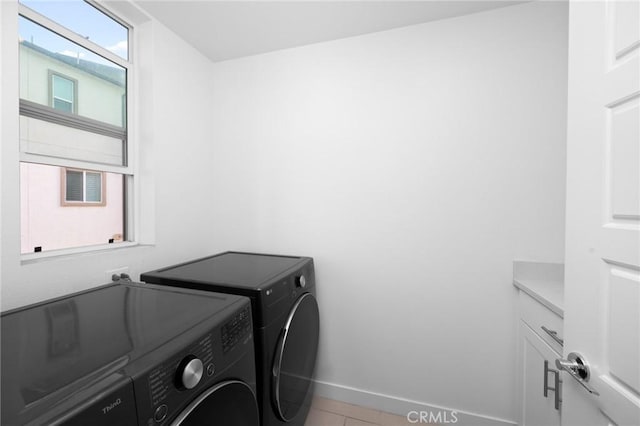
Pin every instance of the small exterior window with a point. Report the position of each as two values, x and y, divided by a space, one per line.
83 188
64 92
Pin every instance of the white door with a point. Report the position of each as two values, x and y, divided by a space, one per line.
602 293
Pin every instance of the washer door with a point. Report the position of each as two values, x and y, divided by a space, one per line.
230 403
295 357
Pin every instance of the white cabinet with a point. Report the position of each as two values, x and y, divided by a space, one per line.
537 409
540 389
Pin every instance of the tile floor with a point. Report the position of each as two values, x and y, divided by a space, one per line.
326 412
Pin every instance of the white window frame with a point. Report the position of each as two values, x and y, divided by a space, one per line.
52 90
127 169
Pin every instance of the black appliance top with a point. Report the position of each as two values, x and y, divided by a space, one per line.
53 349
246 270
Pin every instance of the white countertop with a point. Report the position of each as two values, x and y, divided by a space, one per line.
542 281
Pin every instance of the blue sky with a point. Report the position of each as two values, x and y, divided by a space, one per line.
82 19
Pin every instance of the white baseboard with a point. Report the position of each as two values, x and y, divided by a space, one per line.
404 407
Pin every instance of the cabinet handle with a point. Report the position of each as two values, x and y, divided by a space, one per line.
553 334
556 384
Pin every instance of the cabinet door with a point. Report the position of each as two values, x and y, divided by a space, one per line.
537 410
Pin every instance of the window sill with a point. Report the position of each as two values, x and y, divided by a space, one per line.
29 258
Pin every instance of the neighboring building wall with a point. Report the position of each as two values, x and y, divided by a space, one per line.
46 223
90 87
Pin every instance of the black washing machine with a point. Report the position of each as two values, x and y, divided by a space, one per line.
130 355
285 321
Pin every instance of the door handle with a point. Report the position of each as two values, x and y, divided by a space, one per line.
578 368
556 386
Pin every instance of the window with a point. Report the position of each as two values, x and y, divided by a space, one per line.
88 21
75 67
63 92
83 188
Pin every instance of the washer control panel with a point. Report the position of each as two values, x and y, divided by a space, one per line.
175 381
236 329
181 372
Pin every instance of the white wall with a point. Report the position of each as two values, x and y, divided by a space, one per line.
414 165
173 133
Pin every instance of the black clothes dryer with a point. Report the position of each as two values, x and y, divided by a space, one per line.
130 355
286 321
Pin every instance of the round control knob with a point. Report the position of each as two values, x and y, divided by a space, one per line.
189 372
161 413
301 281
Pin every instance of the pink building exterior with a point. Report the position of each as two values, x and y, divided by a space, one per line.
47 223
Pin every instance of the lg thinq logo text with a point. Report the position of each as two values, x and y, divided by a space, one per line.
111 406
439 417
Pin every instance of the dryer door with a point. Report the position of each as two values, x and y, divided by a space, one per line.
230 403
295 357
